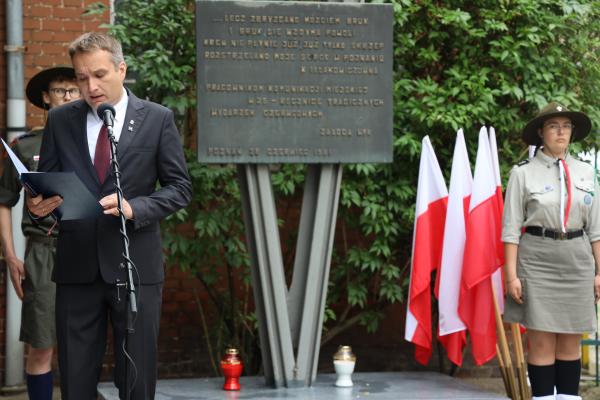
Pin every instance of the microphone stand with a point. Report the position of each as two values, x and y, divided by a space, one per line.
130 298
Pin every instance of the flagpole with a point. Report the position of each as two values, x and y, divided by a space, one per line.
505 352
503 371
516 331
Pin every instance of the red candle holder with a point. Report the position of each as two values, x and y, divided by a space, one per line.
232 367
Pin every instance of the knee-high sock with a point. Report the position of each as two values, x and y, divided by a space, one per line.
567 376
542 379
39 387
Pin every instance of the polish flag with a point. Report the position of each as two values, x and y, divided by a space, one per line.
430 214
499 202
452 331
476 306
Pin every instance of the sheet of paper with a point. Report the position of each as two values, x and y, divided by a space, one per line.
15 160
78 201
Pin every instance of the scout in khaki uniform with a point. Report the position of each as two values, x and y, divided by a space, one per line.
32 279
551 232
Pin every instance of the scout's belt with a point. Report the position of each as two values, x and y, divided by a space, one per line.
49 240
552 234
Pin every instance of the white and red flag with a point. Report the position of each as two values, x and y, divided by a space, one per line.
452 331
430 215
476 306
499 202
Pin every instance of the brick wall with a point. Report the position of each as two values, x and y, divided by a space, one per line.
182 343
48 28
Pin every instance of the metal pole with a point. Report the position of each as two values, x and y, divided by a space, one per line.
290 321
15 122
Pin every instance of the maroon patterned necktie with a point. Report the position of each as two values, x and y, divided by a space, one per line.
102 154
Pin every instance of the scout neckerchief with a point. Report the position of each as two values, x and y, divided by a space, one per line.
564 209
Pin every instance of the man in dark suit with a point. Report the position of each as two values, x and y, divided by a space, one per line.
88 270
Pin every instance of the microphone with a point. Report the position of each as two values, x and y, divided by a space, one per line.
106 112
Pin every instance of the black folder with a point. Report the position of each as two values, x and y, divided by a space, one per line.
78 202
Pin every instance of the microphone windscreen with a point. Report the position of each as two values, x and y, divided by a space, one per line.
102 108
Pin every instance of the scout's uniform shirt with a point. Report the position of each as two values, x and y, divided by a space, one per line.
533 198
27 149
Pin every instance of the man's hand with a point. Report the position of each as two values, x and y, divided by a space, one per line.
109 203
17 274
41 207
597 287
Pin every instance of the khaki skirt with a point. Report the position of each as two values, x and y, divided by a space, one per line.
557 278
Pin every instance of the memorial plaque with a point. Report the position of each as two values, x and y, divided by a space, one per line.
294 82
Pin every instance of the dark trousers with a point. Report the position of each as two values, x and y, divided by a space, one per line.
82 314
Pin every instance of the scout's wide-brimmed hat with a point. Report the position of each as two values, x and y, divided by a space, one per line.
40 83
582 123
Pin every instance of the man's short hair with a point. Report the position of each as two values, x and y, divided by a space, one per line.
92 41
